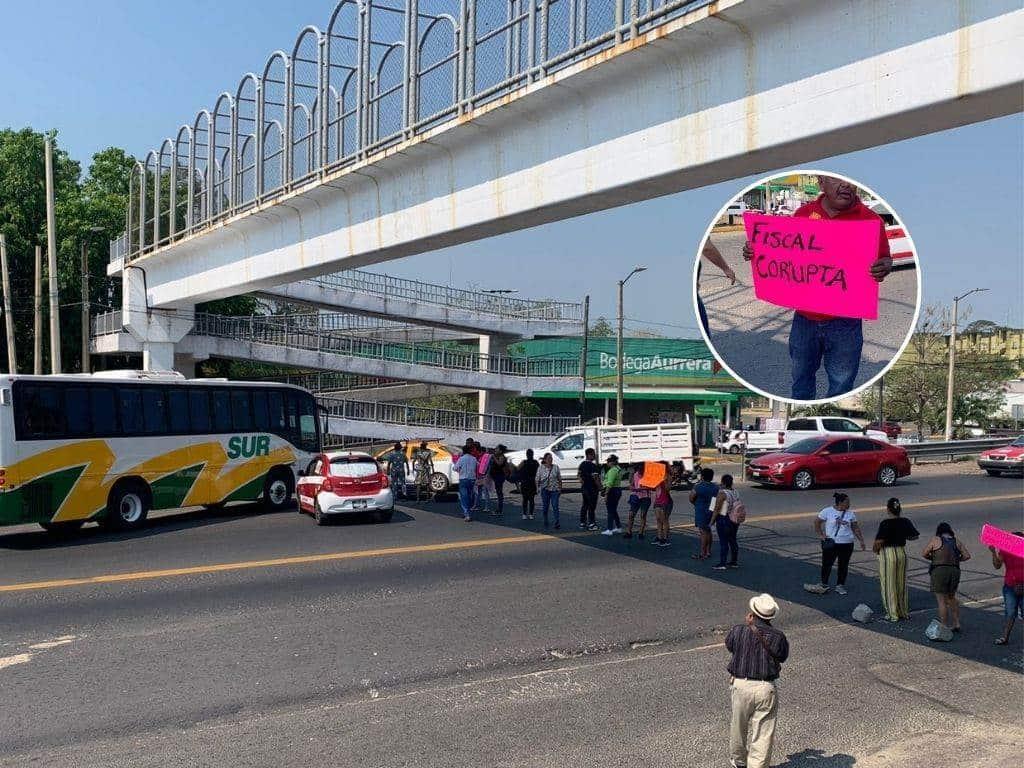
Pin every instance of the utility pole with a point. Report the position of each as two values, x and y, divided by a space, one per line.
12 358
583 356
619 360
37 360
85 309
952 360
51 261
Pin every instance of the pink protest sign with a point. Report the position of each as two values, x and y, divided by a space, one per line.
1002 540
814 264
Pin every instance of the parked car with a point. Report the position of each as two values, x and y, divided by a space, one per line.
1008 460
741 440
891 428
831 460
344 483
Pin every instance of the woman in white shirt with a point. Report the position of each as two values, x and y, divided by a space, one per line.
837 527
549 482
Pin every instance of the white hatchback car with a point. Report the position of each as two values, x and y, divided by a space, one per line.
344 483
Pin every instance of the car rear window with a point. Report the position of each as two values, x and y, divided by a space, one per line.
807 447
353 467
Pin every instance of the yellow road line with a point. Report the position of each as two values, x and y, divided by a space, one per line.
449 546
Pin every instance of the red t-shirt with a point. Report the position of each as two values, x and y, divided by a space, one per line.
1014 569
856 212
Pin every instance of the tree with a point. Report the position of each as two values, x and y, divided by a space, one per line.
915 387
521 406
601 329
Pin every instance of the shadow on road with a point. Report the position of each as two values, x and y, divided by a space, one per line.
782 562
815 758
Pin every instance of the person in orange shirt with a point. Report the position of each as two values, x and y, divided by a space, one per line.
835 341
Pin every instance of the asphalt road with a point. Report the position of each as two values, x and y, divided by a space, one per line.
246 639
752 337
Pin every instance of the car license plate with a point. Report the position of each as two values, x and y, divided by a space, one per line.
359 504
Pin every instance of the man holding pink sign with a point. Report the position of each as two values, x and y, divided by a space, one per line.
826 262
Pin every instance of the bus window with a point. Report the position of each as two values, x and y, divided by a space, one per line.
154 410
177 410
260 419
241 410
104 412
130 408
275 408
307 423
221 411
291 420
199 410
76 408
42 413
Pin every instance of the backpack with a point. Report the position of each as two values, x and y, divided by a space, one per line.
482 464
737 510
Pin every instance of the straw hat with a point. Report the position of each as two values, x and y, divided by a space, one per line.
764 606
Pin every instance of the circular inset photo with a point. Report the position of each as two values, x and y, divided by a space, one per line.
807 286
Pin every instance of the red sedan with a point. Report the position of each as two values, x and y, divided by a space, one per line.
831 460
1008 460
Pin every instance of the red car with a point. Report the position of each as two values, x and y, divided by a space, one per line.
831 460
891 428
1007 460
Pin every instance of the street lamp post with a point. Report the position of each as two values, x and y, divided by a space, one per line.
952 360
618 348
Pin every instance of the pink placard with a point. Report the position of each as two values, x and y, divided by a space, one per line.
1002 540
815 265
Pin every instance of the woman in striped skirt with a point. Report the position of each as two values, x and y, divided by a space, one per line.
890 545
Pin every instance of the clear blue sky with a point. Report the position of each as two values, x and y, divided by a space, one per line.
129 72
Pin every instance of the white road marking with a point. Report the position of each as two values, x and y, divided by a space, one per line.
10 661
46 644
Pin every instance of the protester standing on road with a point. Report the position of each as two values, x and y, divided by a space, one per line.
466 469
723 517
945 552
611 488
484 485
701 496
639 502
398 466
712 254
423 468
663 509
498 471
837 527
1013 587
588 474
890 545
758 652
549 481
527 471
813 337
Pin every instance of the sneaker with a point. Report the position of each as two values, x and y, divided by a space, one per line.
583 526
841 590
608 532
592 527
616 530
734 565
467 519
817 589
525 517
718 567
531 517
666 543
656 542
734 764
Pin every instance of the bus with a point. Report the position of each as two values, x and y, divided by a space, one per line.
114 445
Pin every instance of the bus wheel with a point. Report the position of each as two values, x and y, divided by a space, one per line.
277 490
127 506
63 527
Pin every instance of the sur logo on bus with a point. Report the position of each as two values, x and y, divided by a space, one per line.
247 446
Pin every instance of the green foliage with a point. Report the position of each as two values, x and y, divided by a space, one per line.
601 329
460 403
521 406
822 409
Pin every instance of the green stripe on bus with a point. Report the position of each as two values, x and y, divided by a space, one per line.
248 492
38 500
170 491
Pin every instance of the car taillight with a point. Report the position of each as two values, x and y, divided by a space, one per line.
327 485
383 480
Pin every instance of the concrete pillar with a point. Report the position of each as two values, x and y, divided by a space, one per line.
158 329
183 364
492 401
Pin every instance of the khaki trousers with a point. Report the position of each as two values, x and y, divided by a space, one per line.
754 706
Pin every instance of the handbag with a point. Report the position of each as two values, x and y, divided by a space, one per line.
828 543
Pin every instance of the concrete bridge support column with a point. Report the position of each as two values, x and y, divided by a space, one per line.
158 330
490 400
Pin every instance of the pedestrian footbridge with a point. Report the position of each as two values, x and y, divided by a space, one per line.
300 341
438 306
397 421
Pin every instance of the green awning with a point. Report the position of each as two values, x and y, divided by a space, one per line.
694 395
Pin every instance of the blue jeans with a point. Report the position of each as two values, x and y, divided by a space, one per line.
466 496
611 503
728 547
550 499
1013 605
839 341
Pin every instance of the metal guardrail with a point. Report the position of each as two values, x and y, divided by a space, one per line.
106 323
379 73
446 296
445 420
280 330
334 381
954 448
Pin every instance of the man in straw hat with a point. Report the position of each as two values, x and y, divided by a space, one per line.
758 651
